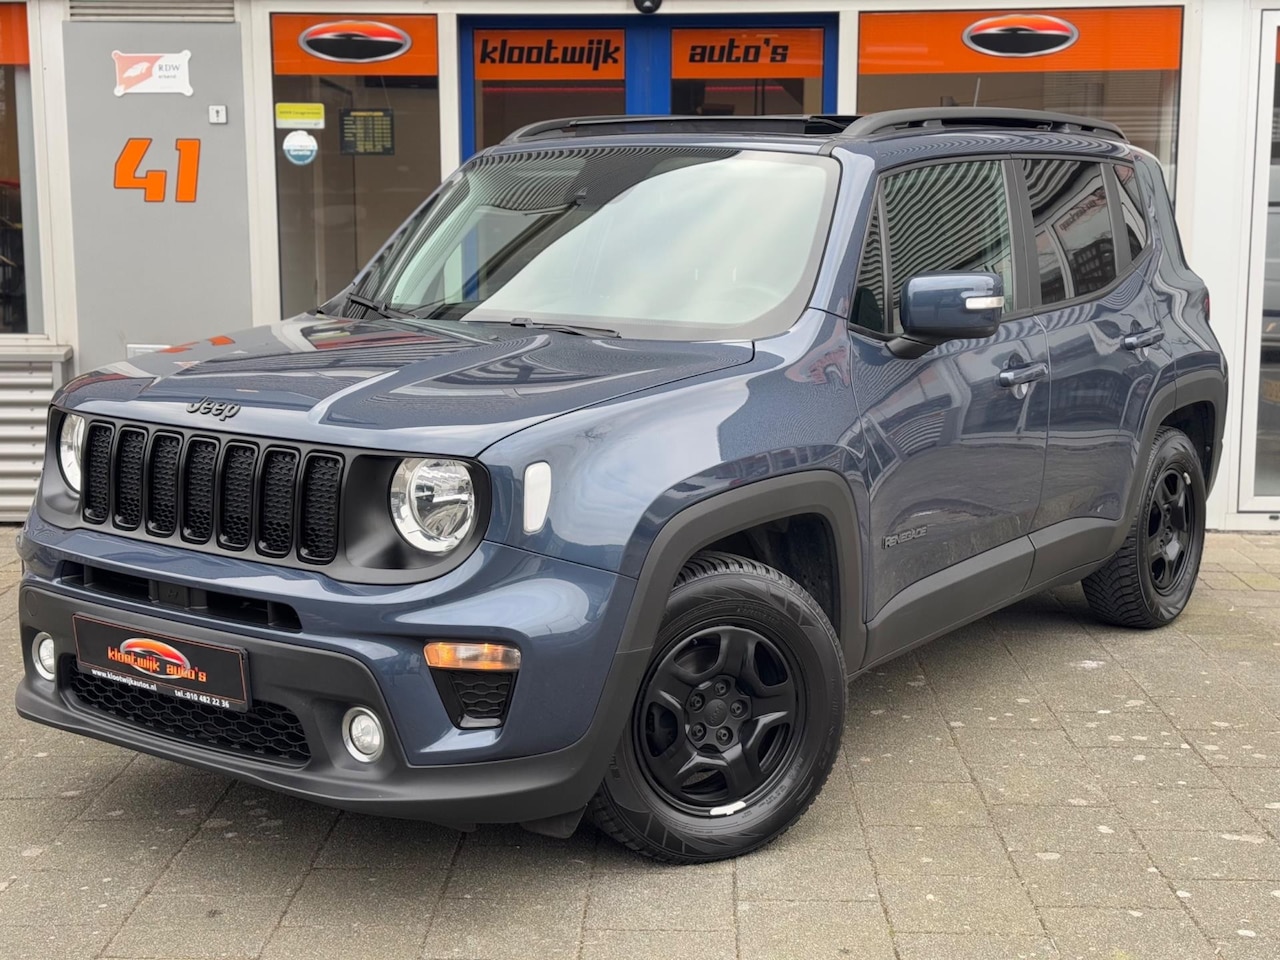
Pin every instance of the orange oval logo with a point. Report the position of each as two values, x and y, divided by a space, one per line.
150 656
1020 35
355 41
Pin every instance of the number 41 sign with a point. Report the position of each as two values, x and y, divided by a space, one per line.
154 183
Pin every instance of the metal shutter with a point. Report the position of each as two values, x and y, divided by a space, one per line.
26 387
204 11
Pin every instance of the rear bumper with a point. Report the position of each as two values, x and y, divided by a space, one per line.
318 687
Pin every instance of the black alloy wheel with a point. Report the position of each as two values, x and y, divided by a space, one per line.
1149 580
736 722
1171 525
721 713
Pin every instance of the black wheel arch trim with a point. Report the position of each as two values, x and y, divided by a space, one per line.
824 492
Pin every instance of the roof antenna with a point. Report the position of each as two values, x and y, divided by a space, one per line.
977 88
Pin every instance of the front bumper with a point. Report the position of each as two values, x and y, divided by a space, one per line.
450 776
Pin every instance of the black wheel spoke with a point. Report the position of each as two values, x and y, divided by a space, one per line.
676 764
670 691
741 771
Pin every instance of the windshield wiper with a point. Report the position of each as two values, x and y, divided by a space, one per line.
574 328
381 307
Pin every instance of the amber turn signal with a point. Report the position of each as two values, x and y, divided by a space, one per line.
472 656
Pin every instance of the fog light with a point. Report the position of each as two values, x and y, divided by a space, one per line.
362 734
45 657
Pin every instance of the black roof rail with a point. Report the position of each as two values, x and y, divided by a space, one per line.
793 124
928 119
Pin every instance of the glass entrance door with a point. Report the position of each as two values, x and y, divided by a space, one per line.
521 71
1260 441
357 141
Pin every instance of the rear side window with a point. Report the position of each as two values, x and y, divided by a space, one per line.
1135 222
1075 241
948 216
868 298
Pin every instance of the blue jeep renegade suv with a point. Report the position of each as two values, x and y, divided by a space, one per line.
629 449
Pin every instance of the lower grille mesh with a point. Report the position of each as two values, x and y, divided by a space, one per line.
268 731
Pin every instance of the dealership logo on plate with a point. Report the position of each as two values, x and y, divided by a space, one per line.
150 656
355 41
1020 35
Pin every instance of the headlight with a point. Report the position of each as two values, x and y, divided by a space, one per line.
70 447
433 503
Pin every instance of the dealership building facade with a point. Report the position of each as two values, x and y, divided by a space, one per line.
170 171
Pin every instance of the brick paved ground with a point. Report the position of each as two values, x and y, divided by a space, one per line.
1035 785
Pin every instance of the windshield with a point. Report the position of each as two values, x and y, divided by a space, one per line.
655 242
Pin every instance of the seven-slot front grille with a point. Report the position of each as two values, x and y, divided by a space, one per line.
236 495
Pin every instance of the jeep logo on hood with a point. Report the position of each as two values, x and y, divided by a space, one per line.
354 41
1020 35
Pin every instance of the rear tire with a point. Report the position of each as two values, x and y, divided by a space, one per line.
737 721
1149 580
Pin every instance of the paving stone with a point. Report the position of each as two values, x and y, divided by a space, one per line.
37 821
1140 766
1093 933
1182 809
958 905
944 804
125 849
1067 785
502 929
973 946
261 868
59 776
662 898
1238 748
938 851
931 761
1253 787
1048 748
1205 855
357 841
805 870
399 941
1224 908
778 930
353 896
1122 730
489 872
180 927
1061 829
51 897
52 941
1093 880
658 945
154 789
1003 712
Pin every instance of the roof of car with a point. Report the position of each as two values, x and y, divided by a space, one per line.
887 135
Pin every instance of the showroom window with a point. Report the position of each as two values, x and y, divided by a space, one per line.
357 142
1118 64
17 312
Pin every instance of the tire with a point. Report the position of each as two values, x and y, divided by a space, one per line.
1145 585
743 653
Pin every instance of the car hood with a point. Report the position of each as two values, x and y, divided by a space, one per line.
444 388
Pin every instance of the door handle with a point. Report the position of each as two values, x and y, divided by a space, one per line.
1017 376
1143 338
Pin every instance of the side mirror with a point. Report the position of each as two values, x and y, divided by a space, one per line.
937 307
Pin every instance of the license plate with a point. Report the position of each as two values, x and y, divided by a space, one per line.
186 669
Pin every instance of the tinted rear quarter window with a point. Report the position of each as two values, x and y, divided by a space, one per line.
868 298
1131 205
1075 240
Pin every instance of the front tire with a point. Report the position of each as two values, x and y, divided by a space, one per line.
1149 580
737 721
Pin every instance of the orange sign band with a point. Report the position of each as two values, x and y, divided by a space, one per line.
550 55
999 41
746 54
392 46
13 34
